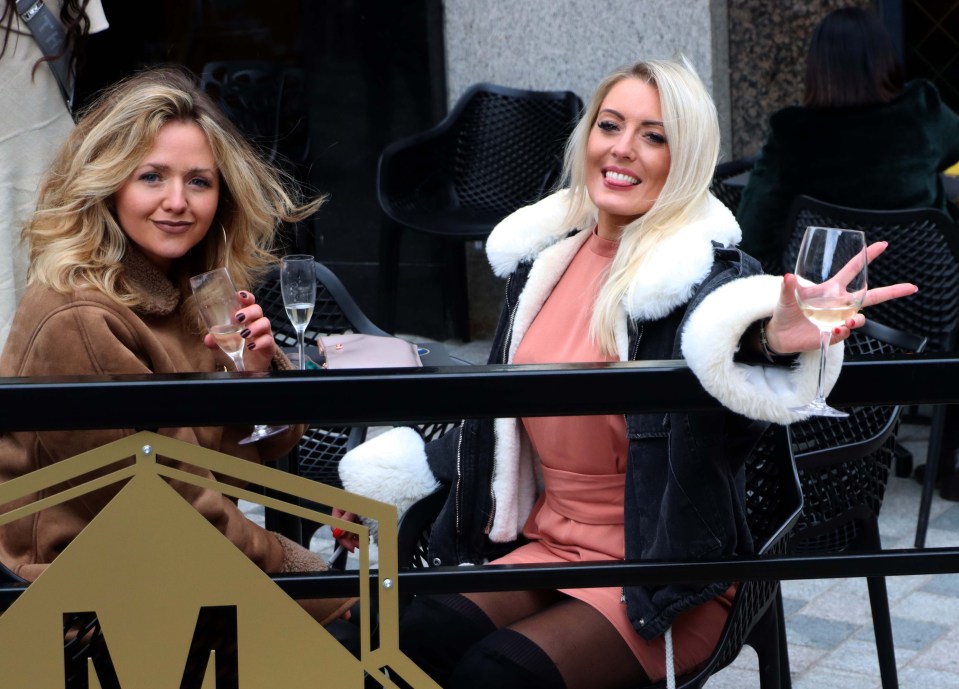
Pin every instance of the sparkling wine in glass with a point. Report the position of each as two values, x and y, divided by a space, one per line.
298 284
217 301
831 273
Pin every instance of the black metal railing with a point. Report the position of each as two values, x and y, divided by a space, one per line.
434 394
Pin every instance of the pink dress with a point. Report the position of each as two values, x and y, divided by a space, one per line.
579 516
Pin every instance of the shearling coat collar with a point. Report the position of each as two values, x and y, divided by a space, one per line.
675 267
161 297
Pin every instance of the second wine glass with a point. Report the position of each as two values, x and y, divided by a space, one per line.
217 301
298 284
831 273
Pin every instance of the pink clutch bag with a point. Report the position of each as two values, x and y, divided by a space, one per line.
356 350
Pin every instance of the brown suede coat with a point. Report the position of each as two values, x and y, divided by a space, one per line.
88 333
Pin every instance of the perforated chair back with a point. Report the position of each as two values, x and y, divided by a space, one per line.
923 249
498 149
844 463
730 194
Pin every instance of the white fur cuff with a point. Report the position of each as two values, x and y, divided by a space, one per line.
391 468
711 338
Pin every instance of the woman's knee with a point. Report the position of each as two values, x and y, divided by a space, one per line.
507 660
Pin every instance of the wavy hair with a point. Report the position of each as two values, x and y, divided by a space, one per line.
74 237
692 132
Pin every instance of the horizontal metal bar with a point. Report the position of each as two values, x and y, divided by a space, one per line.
590 575
427 394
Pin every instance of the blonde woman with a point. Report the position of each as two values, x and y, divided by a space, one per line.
635 260
152 186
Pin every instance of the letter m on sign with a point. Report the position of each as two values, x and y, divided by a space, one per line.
85 651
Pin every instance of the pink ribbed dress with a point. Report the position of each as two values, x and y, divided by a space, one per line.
579 516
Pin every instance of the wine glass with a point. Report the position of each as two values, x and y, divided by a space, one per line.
298 284
831 273
218 302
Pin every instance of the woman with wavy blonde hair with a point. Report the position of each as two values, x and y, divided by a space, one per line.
153 185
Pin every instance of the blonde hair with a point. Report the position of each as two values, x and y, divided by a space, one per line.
75 240
692 132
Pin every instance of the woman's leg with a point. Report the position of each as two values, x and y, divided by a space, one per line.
565 645
436 631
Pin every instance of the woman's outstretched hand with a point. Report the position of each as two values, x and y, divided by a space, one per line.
789 331
257 335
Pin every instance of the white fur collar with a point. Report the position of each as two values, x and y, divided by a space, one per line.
676 266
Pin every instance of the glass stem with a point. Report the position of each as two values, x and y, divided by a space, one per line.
301 347
824 337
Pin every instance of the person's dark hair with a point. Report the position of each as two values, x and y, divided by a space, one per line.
852 61
73 16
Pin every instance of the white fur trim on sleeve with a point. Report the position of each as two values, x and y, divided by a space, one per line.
391 468
711 338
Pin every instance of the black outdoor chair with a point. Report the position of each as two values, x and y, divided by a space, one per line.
844 467
773 504
498 149
923 249
730 194
319 451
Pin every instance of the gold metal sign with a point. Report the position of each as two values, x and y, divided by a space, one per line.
176 604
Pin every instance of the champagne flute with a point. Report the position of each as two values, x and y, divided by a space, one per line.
298 284
831 272
218 302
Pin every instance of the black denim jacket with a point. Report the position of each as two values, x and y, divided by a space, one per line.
684 478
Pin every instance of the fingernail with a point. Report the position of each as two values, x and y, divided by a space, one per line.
338 532
252 345
788 275
837 330
245 333
243 295
240 317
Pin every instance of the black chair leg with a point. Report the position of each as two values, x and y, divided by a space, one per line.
785 678
389 273
931 472
879 605
765 639
882 626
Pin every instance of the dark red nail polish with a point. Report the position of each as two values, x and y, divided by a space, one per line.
251 346
240 317
837 330
243 295
245 333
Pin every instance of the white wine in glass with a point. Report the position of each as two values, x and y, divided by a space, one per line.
831 274
298 284
217 301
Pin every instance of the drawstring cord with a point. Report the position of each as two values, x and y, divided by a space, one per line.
670 662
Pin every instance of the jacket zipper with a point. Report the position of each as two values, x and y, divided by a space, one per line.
459 478
633 357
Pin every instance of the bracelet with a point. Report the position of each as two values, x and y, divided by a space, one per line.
771 356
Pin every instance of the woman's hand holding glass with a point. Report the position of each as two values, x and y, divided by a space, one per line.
820 305
237 326
789 331
257 334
